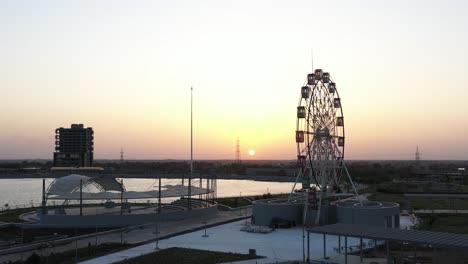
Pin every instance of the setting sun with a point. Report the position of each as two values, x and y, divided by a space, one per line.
251 152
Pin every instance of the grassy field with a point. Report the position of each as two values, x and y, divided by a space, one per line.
188 256
390 197
416 203
12 216
452 223
423 187
33 234
234 202
69 256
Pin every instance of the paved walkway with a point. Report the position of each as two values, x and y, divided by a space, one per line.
279 246
440 211
135 236
93 210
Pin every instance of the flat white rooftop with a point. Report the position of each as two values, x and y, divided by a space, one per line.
279 245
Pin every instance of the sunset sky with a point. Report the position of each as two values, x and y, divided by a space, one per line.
125 68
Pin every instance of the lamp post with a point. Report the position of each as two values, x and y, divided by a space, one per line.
76 247
205 223
239 204
156 232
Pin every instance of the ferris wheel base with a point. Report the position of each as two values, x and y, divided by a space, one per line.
274 212
327 215
283 213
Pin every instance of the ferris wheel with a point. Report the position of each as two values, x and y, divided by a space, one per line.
320 134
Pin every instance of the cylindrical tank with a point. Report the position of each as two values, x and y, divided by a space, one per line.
265 212
384 214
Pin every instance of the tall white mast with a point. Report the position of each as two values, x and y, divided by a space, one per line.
191 131
312 58
191 151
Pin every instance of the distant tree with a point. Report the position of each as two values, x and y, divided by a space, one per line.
34 259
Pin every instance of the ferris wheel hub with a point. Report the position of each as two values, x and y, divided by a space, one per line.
322 132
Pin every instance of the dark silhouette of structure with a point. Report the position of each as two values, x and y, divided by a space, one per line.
417 155
74 146
238 154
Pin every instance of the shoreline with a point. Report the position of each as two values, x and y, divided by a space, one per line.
42 175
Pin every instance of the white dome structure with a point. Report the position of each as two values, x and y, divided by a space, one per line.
68 187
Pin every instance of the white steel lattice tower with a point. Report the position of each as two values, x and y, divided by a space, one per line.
417 154
238 154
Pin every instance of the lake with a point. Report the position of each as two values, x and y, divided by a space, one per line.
24 192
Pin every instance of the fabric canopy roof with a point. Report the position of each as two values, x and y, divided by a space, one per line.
68 184
166 191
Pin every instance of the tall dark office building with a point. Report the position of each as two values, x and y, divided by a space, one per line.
73 146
